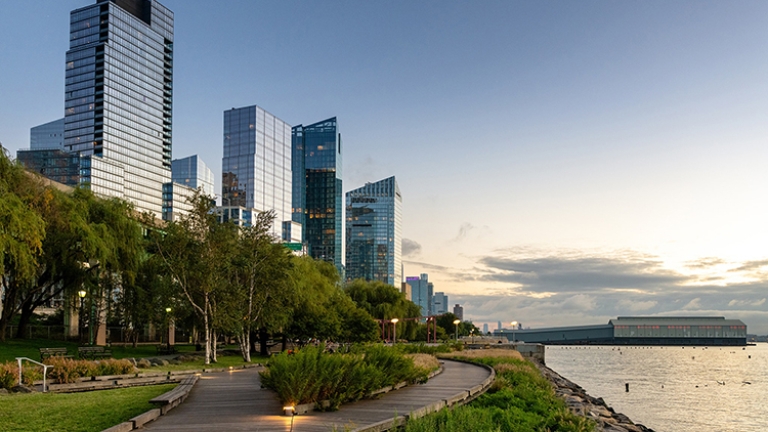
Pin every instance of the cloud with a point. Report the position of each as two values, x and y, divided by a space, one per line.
573 272
637 306
694 304
751 266
746 303
464 229
702 263
410 247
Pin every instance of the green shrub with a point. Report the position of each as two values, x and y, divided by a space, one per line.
310 375
69 370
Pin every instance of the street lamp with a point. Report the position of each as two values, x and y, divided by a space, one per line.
514 326
81 294
456 323
472 335
168 324
394 326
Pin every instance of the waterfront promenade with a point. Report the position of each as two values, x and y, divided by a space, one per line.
235 401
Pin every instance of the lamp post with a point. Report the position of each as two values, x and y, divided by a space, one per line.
168 325
514 326
472 335
456 323
394 330
81 319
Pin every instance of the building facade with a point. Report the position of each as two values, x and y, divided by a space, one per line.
458 310
177 200
256 167
439 303
374 232
119 99
690 330
192 172
48 136
317 189
421 293
54 164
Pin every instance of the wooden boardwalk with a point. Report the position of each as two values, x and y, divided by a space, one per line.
235 401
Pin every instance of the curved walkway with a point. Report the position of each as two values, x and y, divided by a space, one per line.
235 401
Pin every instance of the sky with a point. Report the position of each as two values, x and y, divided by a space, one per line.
561 163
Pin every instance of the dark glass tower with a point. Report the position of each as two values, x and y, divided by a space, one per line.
119 98
374 232
317 189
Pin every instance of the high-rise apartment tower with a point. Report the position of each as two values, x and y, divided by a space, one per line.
317 189
119 98
256 167
374 232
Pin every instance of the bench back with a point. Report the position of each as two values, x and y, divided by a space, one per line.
91 349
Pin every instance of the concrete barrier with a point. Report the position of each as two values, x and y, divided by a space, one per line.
122 427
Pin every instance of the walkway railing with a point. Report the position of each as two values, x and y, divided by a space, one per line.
45 370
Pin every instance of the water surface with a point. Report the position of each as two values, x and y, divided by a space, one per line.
674 389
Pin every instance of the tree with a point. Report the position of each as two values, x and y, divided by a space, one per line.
261 281
446 320
22 231
384 302
197 253
91 242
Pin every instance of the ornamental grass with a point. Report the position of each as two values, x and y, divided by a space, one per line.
67 370
311 376
9 374
520 399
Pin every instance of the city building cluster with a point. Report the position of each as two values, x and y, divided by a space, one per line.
116 139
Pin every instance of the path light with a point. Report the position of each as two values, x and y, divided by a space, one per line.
456 323
289 410
394 325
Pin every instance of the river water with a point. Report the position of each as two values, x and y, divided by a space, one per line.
674 389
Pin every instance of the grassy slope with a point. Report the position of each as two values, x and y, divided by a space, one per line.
520 400
91 411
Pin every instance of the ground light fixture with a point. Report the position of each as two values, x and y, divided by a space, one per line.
456 323
289 410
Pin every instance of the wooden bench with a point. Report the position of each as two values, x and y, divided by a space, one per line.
173 398
166 349
58 352
93 352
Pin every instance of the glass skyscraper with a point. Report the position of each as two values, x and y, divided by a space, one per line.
421 293
192 172
317 189
256 167
119 98
374 232
47 136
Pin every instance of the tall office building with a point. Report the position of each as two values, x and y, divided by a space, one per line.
458 310
374 232
317 189
439 303
192 172
421 293
48 136
119 98
256 167
485 329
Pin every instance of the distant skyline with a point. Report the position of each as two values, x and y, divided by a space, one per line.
560 163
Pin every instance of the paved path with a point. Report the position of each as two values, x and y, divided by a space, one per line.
234 401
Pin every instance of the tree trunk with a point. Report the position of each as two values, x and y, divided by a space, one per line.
244 342
207 332
214 342
26 314
263 340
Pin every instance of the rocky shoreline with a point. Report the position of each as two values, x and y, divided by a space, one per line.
579 402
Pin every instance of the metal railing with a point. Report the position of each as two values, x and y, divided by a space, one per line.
45 370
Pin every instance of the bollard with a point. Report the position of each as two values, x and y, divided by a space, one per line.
626 387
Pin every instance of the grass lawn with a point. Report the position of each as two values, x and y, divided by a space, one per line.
223 362
89 411
12 348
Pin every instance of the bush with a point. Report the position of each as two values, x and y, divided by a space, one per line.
310 375
9 375
68 370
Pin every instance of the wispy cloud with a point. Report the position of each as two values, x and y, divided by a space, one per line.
410 247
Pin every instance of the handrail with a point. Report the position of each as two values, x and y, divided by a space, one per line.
45 369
